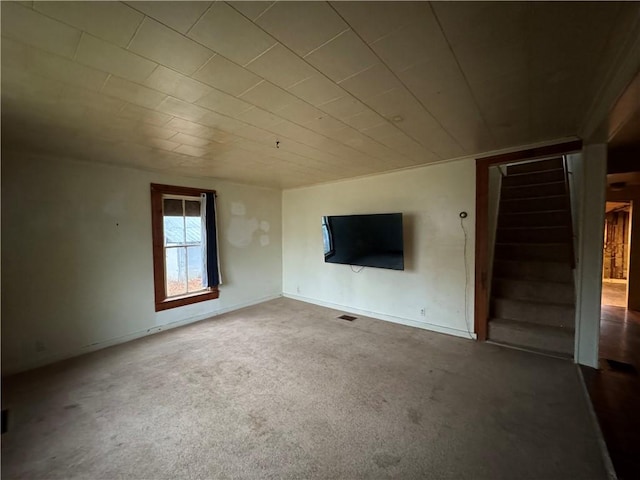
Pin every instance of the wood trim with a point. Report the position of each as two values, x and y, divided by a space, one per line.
481 307
159 280
174 190
532 153
211 294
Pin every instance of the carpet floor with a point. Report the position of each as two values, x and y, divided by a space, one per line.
284 389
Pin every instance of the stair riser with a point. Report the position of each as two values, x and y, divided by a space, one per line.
551 164
533 190
533 204
533 178
533 235
540 313
536 271
560 343
542 219
545 253
533 291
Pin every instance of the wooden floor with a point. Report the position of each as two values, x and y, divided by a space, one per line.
615 392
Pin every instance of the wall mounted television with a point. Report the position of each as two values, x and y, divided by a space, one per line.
364 240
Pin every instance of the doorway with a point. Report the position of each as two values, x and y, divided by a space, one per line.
615 256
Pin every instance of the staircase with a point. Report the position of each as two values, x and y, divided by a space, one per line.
532 293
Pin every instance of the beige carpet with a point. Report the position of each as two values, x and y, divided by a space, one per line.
285 390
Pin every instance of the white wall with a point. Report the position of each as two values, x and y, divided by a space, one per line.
77 269
590 244
434 277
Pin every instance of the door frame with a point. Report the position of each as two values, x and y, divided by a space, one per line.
481 300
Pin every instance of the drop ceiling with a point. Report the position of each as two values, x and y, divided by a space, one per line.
285 94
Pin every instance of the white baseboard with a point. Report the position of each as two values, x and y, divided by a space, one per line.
56 357
382 316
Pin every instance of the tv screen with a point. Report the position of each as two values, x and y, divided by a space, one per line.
364 240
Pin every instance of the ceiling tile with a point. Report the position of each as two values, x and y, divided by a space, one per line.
189 140
280 66
225 75
19 56
256 134
366 119
190 128
325 125
114 22
188 111
178 15
316 90
169 48
259 118
370 82
146 115
111 59
250 9
133 93
302 26
226 31
221 122
32 28
300 112
268 96
373 20
159 132
342 57
343 107
224 103
192 151
162 144
413 43
177 85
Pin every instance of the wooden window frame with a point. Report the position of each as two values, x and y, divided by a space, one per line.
157 230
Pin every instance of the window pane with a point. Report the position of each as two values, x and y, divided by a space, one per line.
173 231
194 229
192 208
176 271
194 260
172 207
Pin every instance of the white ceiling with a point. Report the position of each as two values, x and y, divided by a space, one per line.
346 88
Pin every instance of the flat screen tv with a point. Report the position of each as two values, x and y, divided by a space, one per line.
364 240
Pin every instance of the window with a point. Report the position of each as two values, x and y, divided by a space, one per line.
185 257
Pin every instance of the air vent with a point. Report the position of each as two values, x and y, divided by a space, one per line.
347 317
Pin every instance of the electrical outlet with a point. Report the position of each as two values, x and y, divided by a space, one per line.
40 346
298 289
423 312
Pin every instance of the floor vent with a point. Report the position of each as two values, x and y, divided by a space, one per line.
347 317
621 367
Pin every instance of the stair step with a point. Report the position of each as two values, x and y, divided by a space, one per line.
552 252
531 178
539 166
533 191
552 314
542 338
533 291
556 234
535 271
533 204
533 219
